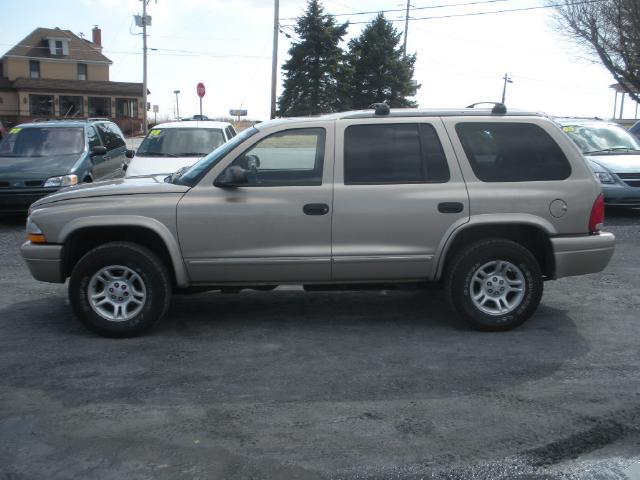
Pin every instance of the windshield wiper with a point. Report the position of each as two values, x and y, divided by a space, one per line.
613 149
175 175
191 154
155 154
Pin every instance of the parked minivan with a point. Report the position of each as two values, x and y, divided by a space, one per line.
487 203
38 158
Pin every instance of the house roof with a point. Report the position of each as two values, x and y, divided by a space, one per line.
34 45
80 86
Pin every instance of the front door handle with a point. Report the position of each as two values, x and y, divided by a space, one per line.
450 207
315 209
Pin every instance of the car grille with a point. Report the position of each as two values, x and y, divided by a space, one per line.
631 179
21 183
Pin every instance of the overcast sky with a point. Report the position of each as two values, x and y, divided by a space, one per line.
227 45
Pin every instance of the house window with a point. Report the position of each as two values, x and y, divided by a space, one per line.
82 71
41 105
34 69
70 106
59 50
99 106
126 107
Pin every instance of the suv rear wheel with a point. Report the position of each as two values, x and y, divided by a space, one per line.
494 284
119 289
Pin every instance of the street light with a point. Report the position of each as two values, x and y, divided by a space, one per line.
177 105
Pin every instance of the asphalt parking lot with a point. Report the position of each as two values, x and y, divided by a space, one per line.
293 385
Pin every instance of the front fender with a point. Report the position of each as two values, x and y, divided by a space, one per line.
182 279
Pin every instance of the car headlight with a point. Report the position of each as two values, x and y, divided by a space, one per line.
34 234
604 177
63 181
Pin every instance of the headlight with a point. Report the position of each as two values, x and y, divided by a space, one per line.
63 181
604 177
34 234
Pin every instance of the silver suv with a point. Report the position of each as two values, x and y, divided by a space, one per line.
487 203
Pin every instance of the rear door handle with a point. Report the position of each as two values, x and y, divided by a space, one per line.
315 209
450 207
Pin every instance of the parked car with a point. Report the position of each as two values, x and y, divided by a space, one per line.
613 155
490 205
171 146
37 159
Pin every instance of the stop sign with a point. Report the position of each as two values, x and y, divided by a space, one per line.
201 90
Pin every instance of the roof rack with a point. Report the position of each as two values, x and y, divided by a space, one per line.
98 119
498 108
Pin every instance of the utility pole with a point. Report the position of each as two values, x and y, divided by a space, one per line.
406 28
507 79
177 105
145 124
274 57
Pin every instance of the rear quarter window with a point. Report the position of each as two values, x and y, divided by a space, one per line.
512 152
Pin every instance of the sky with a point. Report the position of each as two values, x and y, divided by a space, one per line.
227 45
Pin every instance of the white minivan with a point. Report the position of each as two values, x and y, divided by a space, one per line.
174 145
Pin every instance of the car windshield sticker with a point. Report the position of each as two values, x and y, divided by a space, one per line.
155 133
15 130
569 129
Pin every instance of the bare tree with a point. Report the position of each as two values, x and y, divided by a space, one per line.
611 30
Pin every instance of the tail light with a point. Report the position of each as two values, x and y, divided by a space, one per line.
596 220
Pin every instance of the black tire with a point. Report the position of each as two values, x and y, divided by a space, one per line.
467 262
140 260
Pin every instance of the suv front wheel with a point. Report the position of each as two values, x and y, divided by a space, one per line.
119 289
494 284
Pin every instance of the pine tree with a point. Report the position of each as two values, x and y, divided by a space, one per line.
311 72
378 70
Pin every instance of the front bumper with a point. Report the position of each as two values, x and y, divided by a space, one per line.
621 195
18 200
583 254
44 261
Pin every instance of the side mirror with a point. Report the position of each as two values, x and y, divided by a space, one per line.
98 150
130 153
233 176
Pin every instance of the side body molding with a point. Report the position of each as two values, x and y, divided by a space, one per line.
497 219
169 239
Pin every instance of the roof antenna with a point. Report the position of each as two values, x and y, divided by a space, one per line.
498 108
380 108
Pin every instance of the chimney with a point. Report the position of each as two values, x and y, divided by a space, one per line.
97 36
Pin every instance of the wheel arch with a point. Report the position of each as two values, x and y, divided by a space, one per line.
531 232
80 235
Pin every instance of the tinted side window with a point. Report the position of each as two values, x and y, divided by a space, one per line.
512 152
393 153
290 157
117 137
94 140
110 136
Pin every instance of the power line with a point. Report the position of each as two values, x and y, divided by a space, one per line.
490 12
391 10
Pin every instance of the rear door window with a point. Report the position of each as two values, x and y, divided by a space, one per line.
393 153
512 152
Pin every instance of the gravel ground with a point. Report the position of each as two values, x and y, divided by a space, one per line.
293 385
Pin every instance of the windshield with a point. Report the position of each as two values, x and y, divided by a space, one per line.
42 141
601 137
199 169
180 142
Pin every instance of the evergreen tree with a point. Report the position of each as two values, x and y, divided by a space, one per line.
311 73
378 71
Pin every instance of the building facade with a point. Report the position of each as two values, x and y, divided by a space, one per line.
54 73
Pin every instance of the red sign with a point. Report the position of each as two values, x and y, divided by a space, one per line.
201 90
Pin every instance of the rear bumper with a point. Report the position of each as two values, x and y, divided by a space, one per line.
581 255
19 200
44 261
